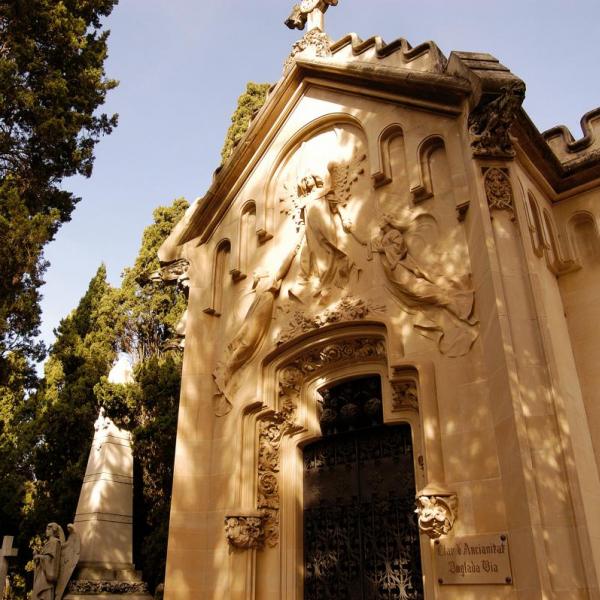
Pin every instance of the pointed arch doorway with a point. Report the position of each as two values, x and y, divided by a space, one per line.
361 540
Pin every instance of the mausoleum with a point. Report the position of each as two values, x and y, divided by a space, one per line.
391 344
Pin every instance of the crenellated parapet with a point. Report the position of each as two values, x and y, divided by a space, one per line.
426 57
567 148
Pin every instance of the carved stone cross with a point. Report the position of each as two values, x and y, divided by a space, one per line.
6 552
310 13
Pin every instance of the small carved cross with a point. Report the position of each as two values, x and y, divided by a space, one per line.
6 552
310 13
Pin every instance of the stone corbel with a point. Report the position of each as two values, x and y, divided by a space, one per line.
437 509
246 531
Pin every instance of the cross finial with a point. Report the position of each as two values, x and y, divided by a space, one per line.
309 13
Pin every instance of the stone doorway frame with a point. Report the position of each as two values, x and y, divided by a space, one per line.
275 430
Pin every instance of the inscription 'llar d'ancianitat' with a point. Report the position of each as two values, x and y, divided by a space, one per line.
473 560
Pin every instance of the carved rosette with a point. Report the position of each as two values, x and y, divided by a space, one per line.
490 122
275 425
405 395
244 531
437 510
498 189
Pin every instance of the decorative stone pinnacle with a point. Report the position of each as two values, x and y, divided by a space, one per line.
309 13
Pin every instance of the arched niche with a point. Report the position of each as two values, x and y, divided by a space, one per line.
220 269
535 225
304 152
392 156
427 148
276 429
247 241
584 237
555 258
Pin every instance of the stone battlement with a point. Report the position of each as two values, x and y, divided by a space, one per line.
425 57
567 148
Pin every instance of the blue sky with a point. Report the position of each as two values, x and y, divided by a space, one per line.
183 63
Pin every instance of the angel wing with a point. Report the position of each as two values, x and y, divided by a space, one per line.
69 557
292 205
344 175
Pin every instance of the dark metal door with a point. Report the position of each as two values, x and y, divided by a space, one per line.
361 540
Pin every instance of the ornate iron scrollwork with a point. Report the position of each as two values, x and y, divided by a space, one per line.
361 539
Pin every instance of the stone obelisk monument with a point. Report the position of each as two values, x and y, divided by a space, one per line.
104 520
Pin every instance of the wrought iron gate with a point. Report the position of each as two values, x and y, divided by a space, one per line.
361 539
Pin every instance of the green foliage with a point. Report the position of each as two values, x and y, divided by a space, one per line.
152 311
43 445
248 104
45 438
51 83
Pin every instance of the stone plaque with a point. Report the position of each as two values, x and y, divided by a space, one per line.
473 560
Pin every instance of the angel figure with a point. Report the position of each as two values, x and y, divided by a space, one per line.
324 260
418 289
55 563
251 333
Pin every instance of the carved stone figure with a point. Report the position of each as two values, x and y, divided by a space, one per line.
244 531
490 123
437 511
421 290
317 209
55 563
251 333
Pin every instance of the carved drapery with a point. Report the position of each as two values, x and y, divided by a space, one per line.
437 511
244 531
275 425
498 189
443 305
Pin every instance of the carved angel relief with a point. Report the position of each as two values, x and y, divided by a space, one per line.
317 208
443 305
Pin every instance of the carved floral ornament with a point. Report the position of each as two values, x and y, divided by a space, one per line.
244 531
437 509
498 189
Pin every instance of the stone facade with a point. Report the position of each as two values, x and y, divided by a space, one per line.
394 212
